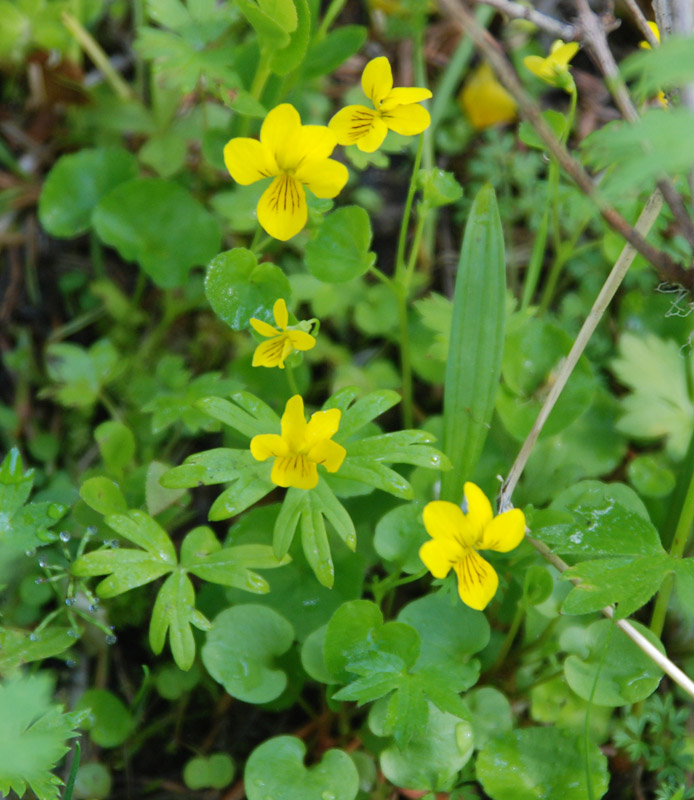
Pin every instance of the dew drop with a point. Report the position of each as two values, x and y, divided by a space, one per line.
70 601
74 633
259 782
94 606
111 639
64 536
327 796
70 663
39 580
30 553
43 563
34 637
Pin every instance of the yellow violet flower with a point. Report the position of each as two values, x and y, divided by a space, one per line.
656 32
394 109
296 156
280 342
458 535
554 69
302 446
485 101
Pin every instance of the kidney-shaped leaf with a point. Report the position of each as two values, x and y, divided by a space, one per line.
276 769
241 649
160 225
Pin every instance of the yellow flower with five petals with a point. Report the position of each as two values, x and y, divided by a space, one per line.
554 69
394 109
297 157
280 342
302 446
457 535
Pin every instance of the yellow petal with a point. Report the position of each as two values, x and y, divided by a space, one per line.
439 555
263 328
294 423
656 32
315 142
479 510
280 313
444 520
248 161
377 80
352 123
266 445
539 67
562 53
301 340
328 453
407 120
273 352
322 425
294 470
403 96
504 532
373 139
278 127
325 177
485 101
282 209
477 580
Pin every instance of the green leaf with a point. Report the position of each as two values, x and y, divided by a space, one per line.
116 445
541 764
140 529
165 153
325 56
81 373
160 225
436 312
650 476
126 569
204 469
286 59
109 722
33 736
527 134
533 353
174 611
630 583
75 185
439 188
537 586
239 288
360 413
491 714
399 535
241 650
103 495
211 772
202 554
271 32
477 340
275 769
158 498
251 485
660 404
627 675
19 647
433 758
340 250
23 527
669 66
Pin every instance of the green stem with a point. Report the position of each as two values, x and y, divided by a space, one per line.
328 18
262 75
376 272
405 359
537 256
291 379
404 226
510 637
684 527
414 252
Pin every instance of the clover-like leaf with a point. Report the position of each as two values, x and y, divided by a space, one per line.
81 374
241 649
276 769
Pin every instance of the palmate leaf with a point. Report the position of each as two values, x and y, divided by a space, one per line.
33 736
201 554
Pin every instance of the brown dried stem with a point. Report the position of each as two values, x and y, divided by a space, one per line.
561 30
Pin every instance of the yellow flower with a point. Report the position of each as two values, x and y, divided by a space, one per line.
394 109
302 446
656 32
554 69
280 342
485 101
457 536
296 156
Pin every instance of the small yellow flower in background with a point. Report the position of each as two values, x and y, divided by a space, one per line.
280 342
302 446
394 109
296 156
656 32
458 535
554 69
485 101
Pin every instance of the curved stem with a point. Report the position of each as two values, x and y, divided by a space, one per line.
405 224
